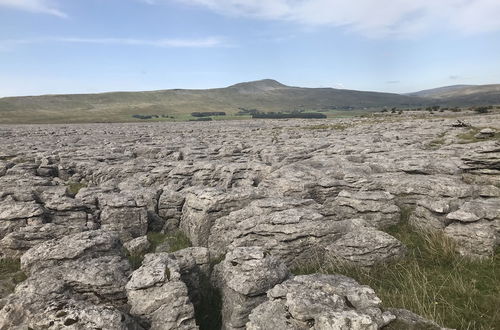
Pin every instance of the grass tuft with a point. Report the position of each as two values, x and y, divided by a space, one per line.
74 187
470 136
10 276
432 280
176 240
337 127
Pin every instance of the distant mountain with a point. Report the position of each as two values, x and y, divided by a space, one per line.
259 86
463 94
264 95
437 92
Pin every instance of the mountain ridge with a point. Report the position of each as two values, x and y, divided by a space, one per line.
264 95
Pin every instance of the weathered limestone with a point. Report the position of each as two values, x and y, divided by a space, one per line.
319 302
365 247
123 214
158 296
73 198
290 229
203 206
376 207
244 277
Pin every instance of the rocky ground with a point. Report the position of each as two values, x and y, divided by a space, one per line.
80 205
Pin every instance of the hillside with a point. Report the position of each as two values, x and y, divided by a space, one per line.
264 95
438 92
463 94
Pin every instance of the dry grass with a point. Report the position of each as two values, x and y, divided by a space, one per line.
176 240
336 127
470 136
10 276
432 280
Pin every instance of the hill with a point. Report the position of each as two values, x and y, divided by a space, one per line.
264 95
463 94
438 92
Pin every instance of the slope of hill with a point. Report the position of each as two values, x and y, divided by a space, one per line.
463 94
438 92
264 95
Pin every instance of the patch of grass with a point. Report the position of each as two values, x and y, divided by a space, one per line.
176 240
135 261
74 187
437 143
10 275
469 136
337 127
432 280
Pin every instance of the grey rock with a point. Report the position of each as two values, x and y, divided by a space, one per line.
13 210
410 321
290 229
203 206
365 247
14 245
244 277
320 302
158 296
89 244
170 208
485 133
376 207
476 239
138 245
123 214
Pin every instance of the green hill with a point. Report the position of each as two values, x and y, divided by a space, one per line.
463 94
264 95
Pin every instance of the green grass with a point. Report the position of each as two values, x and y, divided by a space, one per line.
432 280
336 127
438 142
10 276
469 136
121 106
176 240
74 187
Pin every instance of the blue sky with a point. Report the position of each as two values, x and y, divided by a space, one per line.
81 46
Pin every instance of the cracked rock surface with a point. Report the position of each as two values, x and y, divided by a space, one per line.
253 197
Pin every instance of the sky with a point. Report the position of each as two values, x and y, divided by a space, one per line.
87 46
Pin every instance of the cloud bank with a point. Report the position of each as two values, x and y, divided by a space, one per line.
376 18
162 43
36 6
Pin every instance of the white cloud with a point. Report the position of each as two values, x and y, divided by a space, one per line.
163 43
376 18
36 6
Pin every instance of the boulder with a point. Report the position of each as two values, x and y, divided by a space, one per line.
137 245
322 302
244 277
291 229
365 247
376 207
158 296
203 206
89 244
476 239
123 214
